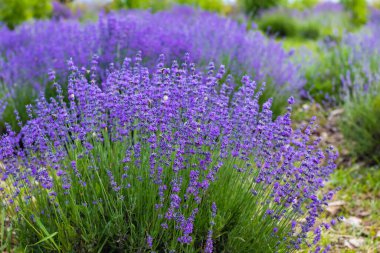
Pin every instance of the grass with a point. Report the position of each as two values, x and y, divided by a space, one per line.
360 190
295 43
360 193
360 126
122 225
5 226
5 232
23 96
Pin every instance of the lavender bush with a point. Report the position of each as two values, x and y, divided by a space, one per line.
360 123
167 160
361 94
27 54
346 73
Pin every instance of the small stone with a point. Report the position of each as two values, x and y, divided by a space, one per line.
356 242
324 136
364 213
335 113
353 221
337 203
334 207
347 244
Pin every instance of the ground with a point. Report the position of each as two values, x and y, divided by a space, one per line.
358 200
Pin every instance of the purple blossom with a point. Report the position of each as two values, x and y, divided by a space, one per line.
195 141
149 241
213 209
209 243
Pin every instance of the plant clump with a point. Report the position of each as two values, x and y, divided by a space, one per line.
168 159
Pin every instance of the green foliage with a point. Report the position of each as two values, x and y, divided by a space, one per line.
279 96
252 7
284 26
155 5
21 97
210 5
360 125
310 30
5 231
77 224
14 12
278 25
298 20
358 10
302 4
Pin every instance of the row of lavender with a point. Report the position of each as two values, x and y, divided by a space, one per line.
28 53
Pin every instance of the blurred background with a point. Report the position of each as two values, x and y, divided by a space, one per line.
325 53
14 12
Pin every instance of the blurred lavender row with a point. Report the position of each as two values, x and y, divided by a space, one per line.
32 49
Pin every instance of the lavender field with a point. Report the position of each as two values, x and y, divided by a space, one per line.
189 126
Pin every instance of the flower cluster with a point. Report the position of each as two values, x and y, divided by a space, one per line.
166 160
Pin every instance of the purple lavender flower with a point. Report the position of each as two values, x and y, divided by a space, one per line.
207 134
209 243
149 241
